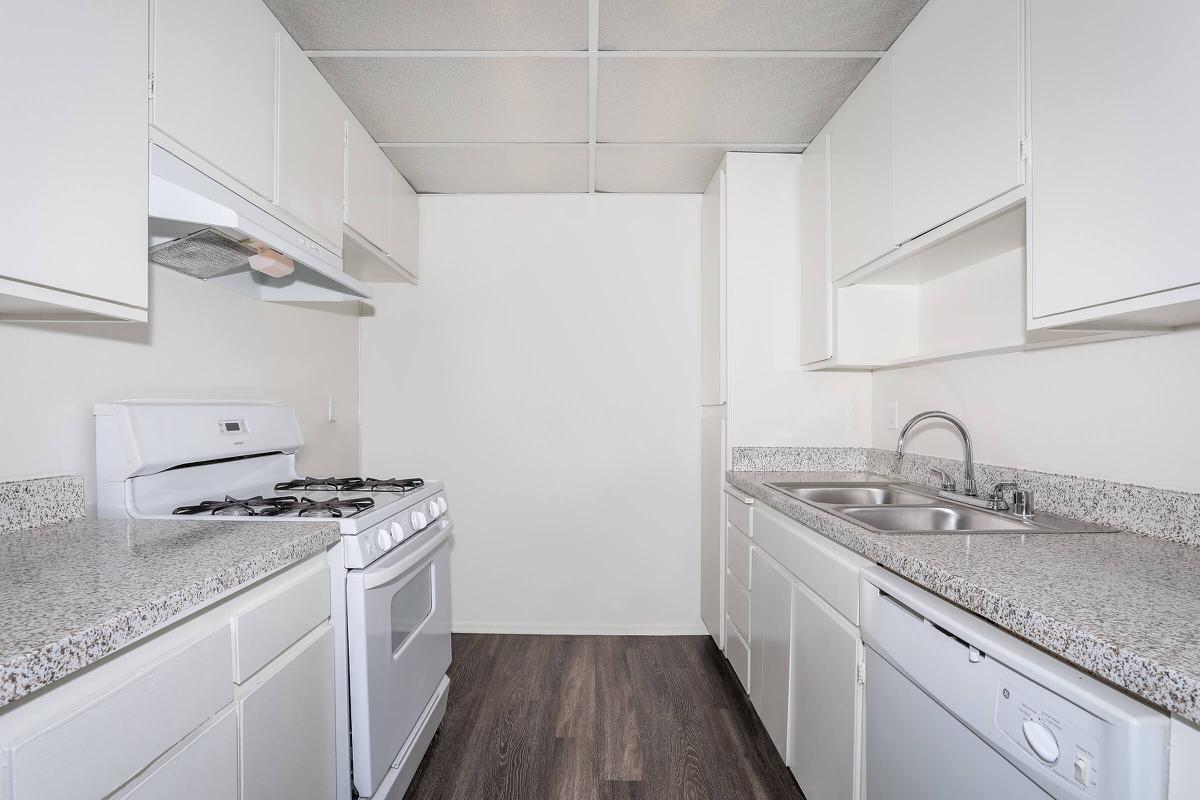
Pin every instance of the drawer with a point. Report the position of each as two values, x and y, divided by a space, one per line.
738 508
828 569
738 653
266 630
737 555
93 751
737 605
206 767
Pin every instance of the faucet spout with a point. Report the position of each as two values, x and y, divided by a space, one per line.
969 487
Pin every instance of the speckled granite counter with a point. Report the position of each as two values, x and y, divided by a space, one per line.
1123 606
71 594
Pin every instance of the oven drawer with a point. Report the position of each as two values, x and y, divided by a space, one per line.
265 631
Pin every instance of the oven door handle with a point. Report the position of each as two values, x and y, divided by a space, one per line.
388 574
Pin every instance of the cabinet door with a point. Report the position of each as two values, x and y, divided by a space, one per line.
712 292
214 84
814 328
405 224
770 646
957 76
712 524
288 728
826 700
311 135
204 769
368 187
1114 168
74 164
860 173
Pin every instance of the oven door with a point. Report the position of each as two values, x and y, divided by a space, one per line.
398 633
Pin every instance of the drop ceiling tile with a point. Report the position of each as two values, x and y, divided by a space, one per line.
660 168
754 24
493 169
435 24
504 99
760 100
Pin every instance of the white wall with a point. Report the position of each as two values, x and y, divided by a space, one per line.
1124 411
547 368
201 342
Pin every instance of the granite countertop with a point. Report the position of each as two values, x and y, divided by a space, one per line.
75 592
1123 606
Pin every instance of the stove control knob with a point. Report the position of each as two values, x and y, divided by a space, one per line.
435 510
441 501
383 539
397 532
418 520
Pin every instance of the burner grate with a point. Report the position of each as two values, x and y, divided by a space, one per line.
233 507
334 507
316 484
352 484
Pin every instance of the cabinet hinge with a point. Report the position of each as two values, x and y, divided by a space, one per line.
150 87
1025 148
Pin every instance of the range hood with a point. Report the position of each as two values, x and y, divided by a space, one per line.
202 229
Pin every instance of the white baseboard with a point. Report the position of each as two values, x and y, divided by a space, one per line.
578 629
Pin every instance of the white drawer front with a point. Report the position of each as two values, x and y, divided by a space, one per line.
268 629
737 556
829 569
738 653
738 513
737 605
93 751
205 769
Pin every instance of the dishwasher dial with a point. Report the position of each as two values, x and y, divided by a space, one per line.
383 539
397 532
1041 740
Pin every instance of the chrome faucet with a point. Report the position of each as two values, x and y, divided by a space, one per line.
969 488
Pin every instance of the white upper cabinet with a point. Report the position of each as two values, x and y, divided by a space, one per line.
1114 169
712 292
311 145
368 187
860 173
405 224
214 85
814 330
74 164
957 111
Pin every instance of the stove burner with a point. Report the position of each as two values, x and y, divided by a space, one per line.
316 484
232 507
386 485
334 507
352 484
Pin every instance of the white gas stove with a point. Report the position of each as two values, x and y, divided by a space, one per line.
177 459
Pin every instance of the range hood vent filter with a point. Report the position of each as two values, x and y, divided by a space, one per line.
205 254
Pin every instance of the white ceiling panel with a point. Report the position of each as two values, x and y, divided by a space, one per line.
435 24
659 168
753 24
722 99
493 169
502 99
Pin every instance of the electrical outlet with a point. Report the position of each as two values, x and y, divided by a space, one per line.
332 409
893 415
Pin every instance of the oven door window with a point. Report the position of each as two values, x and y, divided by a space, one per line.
411 606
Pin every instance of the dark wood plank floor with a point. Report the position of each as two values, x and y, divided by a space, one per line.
598 718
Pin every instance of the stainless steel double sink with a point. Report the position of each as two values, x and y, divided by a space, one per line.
897 507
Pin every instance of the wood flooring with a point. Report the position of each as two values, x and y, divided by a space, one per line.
598 718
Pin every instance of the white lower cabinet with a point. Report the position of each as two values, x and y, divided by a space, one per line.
287 742
826 700
771 646
204 769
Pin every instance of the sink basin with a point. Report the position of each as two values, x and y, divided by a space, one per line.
856 495
908 519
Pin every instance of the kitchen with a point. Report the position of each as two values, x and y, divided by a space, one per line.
529 399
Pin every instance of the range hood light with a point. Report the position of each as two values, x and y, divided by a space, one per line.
271 262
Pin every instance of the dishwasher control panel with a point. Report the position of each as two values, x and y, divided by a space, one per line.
1045 731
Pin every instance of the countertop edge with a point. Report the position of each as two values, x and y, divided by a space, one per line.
1143 677
34 670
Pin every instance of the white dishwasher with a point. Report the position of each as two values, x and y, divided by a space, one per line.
956 708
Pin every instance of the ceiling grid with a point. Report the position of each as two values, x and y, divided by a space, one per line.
483 96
